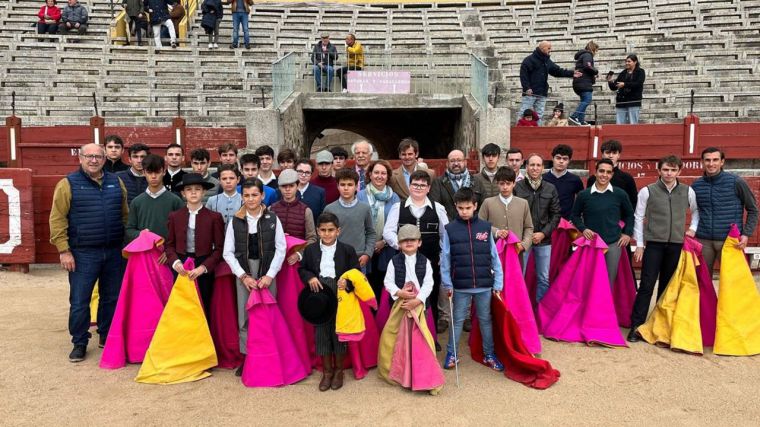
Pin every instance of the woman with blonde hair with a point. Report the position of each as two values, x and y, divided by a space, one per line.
583 86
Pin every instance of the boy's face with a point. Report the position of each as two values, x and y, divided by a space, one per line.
193 193
155 179
612 155
669 173
466 210
409 247
266 162
200 166
252 198
324 169
114 150
418 189
339 162
604 173
347 189
560 162
250 170
328 233
229 181
491 160
506 187
515 160
136 158
228 158
174 157
287 164
288 192
304 173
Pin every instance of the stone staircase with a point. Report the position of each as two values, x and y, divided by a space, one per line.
709 46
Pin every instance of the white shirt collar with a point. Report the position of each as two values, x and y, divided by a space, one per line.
596 190
172 173
409 203
305 187
506 200
194 212
134 172
328 248
232 196
157 193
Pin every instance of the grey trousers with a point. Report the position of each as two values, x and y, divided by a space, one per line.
711 251
612 259
242 300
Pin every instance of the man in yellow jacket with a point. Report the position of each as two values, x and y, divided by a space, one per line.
354 61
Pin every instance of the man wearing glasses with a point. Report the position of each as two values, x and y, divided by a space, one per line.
313 196
87 228
456 176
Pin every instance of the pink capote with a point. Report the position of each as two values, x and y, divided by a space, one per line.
624 288
562 239
578 306
516 294
144 292
362 355
223 318
414 364
384 310
272 359
708 299
289 286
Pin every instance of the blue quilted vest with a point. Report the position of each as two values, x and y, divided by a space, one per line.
470 249
95 218
718 204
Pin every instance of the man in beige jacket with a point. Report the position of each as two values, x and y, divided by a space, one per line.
408 150
507 212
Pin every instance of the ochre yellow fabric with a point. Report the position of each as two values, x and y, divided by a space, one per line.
181 349
675 319
350 319
737 330
94 304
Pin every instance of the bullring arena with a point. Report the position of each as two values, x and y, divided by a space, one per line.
459 65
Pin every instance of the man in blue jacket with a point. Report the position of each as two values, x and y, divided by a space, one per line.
534 73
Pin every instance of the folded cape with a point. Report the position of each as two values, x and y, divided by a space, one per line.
223 321
349 320
384 311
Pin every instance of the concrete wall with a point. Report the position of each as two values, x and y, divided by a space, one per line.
278 128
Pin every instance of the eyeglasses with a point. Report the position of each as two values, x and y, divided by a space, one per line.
91 157
304 173
418 186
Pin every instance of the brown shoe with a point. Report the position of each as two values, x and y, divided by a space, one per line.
327 373
337 381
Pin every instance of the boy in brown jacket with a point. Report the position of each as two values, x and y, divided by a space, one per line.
507 212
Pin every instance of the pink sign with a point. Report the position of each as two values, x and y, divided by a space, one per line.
379 81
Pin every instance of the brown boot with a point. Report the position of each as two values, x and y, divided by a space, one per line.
327 373
337 381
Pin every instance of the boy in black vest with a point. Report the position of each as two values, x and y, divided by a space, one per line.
470 270
254 248
409 268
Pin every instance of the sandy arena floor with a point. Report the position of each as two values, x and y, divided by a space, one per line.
642 385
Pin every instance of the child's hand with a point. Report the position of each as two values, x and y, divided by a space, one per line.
249 283
265 282
410 304
196 272
180 269
404 294
502 234
314 284
342 284
292 259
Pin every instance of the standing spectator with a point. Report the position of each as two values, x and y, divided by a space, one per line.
286 159
200 159
515 161
114 151
722 199
491 153
567 184
176 13
408 150
240 10
265 154
543 201
456 176
49 15
158 10
583 86
313 196
325 178
534 74
87 228
73 19
323 58
529 119
133 178
136 19
558 116
339 158
355 58
227 156
362 154
213 11
629 86
174 157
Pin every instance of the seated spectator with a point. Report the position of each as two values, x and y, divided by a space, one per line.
49 15
137 20
529 118
213 11
158 10
73 18
355 58
558 116
323 58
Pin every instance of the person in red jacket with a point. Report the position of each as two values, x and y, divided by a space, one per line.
529 118
49 15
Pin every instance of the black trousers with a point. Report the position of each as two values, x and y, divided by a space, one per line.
343 71
660 260
205 282
376 278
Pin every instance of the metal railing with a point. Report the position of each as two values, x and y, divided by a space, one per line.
283 78
479 80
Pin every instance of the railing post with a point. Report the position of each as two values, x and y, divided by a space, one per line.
13 127
178 130
98 125
690 136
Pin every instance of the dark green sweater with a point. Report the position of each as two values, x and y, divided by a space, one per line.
146 212
602 212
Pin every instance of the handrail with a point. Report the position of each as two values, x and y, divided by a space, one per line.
184 25
283 78
479 80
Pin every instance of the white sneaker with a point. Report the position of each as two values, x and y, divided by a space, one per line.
210 45
345 91
216 46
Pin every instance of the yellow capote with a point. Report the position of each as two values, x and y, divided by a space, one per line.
675 319
94 304
737 330
181 349
349 319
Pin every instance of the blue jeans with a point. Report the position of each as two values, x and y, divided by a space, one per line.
93 264
580 112
535 103
627 115
462 302
320 80
542 255
240 19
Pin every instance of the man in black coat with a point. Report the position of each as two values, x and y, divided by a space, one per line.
534 75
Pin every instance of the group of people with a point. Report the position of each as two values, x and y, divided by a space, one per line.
71 20
423 242
538 66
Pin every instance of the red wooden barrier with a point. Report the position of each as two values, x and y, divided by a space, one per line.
17 244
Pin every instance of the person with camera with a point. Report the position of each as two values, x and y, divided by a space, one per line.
629 85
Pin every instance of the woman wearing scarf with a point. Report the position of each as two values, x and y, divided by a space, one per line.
379 196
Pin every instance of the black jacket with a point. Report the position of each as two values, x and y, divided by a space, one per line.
584 62
629 95
544 207
535 71
442 191
328 58
345 259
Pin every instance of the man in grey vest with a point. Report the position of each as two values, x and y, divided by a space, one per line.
659 224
